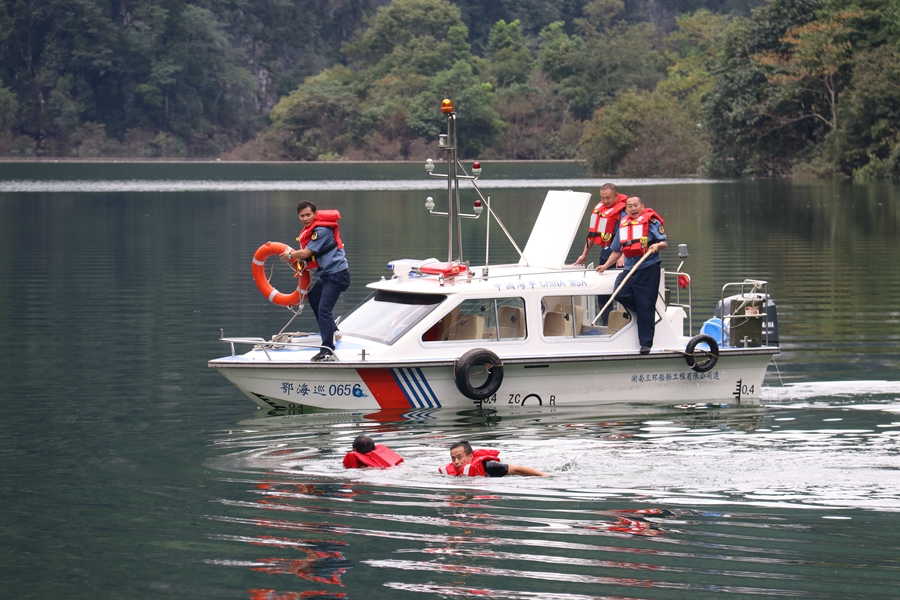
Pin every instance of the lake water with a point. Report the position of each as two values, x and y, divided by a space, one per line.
128 469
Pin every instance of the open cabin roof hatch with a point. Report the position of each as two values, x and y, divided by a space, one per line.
555 229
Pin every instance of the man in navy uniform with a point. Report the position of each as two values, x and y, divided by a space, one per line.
641 233
320 241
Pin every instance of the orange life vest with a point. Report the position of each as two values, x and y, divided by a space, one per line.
475 467
634 233
324 218
381 457
603 221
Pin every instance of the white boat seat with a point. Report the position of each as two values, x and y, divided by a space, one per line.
511 322
470 327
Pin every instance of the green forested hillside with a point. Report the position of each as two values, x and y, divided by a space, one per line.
637 87
157 77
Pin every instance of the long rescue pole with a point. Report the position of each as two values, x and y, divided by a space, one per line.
621 285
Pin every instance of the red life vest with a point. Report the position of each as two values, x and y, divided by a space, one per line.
324 218
475 467
635 233
603 221
381 457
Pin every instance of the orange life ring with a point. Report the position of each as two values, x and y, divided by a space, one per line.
259 276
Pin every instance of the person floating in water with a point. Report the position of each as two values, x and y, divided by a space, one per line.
481 463
366 453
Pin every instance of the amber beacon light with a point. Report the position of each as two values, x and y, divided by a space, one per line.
446 106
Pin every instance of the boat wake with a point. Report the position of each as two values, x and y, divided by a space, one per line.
835 394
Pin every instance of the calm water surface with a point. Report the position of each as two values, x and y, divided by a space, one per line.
130 470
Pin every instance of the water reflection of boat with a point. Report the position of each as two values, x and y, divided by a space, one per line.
537 333
572 416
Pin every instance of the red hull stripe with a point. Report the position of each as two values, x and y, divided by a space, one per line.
384 388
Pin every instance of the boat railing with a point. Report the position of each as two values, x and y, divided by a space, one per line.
676 278
748 311
471 273
278 341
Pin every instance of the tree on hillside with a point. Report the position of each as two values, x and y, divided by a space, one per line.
814 60
664 15
533 15
693 47
742 113
785 101
478 125
658 133
418 29
385 106
158 77
643 134
866 141
167 73
286 41
607 56
510 59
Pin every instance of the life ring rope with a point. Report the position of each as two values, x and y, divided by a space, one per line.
298 296
712 354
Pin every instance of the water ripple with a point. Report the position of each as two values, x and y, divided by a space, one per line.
165 185
569 577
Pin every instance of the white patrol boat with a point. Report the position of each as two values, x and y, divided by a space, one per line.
538 333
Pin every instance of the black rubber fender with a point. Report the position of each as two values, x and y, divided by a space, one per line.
463 369
713 352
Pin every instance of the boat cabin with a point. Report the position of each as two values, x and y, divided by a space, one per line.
539 299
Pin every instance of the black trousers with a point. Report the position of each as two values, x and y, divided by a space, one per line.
639 297
322 297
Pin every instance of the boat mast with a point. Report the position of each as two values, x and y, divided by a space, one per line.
447 142
455 172
452 186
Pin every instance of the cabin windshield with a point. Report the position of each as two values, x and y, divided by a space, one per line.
385 316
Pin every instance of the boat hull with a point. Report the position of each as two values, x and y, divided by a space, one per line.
661 378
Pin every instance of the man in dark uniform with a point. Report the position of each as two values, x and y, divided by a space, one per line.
641 233
332 276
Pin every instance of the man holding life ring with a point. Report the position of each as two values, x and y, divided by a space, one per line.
640 232
604 222
320 242
481 463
